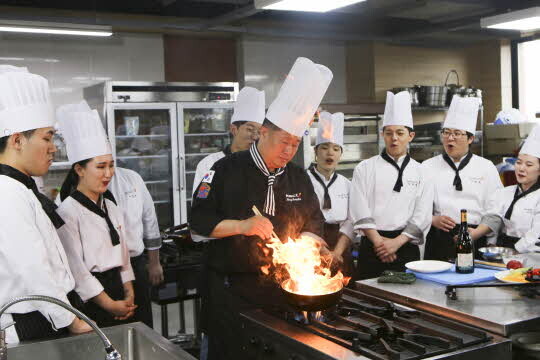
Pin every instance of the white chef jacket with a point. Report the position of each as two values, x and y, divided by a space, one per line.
480 179
524 222
339 195
136 203
375 205
33 259
88 245
204 166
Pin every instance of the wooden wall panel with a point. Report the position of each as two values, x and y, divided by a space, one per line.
360 73
195 59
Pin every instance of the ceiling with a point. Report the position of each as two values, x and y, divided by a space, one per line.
420 22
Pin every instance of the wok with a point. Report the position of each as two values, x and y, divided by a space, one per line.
311 302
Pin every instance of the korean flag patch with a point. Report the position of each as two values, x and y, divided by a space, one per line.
204 190
208 177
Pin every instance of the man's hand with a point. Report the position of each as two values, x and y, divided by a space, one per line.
443 223
257 225
155 273
79 326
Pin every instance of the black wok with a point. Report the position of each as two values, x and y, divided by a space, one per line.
311 302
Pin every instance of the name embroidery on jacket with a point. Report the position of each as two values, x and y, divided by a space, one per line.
293 197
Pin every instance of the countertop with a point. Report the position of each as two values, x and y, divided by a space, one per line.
499 310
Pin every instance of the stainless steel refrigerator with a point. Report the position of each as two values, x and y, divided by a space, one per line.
162 131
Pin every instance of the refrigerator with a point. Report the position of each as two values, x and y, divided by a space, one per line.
162 131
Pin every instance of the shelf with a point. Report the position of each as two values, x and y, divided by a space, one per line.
141 157
429 108
208 134
190 172
156 182
140 136
198 154
161 202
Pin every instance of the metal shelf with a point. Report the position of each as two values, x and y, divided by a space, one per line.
161 202
60 165
156 182
141 157
429 108
199 154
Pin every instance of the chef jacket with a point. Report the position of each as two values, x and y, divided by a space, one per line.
232 189
524 223
375 205
88 245
479 178
136 203
206 164
34 260
339 195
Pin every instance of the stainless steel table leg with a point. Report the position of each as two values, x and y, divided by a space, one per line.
164 322
182 318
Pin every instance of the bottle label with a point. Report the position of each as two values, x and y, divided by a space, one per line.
464 260
463 216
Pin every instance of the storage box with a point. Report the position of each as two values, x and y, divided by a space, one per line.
502 146
511 131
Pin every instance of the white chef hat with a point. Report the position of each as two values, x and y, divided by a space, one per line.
532 144
25 102
299 96
249 106
330 128
462 114
83 132
397 110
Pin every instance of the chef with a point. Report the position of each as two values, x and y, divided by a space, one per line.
516 209
390 201
246 122
141 222
282 191
461 180
33 259
333 189
94 233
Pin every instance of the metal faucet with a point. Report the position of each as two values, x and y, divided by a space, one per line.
112 354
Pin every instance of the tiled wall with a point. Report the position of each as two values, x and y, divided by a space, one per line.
264 63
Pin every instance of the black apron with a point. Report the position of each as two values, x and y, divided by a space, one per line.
331 236
141 287
34 326
440 244
113 286
370 266
507 241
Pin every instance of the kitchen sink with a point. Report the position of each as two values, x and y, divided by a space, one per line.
134 341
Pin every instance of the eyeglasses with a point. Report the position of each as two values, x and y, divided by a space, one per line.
455 134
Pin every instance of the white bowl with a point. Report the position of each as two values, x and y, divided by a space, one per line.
522 258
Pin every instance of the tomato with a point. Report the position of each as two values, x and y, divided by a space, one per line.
514 264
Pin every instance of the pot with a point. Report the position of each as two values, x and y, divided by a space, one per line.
436 95
453 89
526 345
311 302
413 91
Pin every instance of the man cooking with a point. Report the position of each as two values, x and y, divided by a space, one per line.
461 180
261 177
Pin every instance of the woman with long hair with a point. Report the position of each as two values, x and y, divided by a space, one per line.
94 234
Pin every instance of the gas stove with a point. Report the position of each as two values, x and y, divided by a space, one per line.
361 326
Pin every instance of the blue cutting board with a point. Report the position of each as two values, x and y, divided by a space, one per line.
451 277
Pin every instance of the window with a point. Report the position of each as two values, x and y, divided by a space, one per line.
529 79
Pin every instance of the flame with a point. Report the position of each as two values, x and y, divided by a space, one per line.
306 271
328 132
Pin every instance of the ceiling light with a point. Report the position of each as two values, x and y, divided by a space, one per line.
303 5
34 27
523 20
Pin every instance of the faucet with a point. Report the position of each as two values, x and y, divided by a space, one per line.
112 354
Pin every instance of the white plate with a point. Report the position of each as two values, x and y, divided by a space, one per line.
428 266
502 274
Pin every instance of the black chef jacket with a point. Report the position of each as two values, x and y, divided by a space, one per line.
236 185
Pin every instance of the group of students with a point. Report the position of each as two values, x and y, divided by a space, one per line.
88 251
400 209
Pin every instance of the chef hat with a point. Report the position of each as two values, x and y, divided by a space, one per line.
397 110
249 106
25 102
299 96
83 132
330 128
532 144
462 114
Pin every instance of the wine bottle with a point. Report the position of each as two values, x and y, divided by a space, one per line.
464 248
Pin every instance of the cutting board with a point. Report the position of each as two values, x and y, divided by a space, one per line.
450 277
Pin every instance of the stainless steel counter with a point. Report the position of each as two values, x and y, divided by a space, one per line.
499 310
